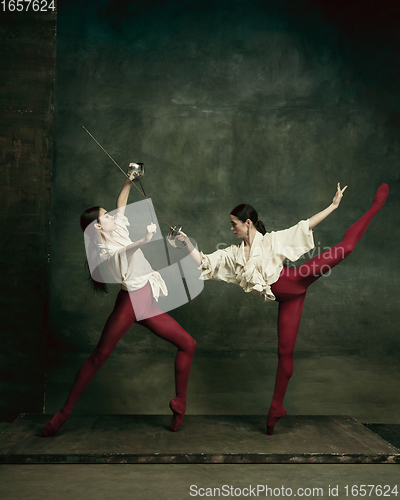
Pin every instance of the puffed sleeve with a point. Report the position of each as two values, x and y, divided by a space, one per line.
294 242
219 265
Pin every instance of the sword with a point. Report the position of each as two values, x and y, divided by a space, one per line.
172 228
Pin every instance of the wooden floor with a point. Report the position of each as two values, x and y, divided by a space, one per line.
201 439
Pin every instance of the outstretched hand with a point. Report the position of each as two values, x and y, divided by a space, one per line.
338 196
320 216
150 230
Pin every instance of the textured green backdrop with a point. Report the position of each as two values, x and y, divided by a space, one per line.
28 47
269 103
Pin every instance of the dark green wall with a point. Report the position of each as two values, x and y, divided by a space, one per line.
26 147
270 103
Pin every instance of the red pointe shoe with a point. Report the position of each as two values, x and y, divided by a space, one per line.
178 407
55 424
381 194
272 419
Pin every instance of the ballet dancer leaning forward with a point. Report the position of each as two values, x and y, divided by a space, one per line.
257 266
135 303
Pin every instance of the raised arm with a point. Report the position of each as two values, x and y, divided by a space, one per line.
320 216
123 197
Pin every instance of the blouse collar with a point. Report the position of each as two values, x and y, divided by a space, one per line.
255 248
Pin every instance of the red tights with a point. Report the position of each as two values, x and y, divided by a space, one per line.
290 291
119 322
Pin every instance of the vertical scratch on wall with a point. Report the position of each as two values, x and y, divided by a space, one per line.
18 147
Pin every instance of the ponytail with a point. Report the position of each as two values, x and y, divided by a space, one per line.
244 212
259 225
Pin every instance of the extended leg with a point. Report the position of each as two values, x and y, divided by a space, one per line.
290 292
316 267
117 325
289 317
165 327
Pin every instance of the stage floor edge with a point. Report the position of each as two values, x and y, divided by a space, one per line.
202 439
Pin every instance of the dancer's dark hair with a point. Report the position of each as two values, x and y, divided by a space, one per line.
88 216
244 212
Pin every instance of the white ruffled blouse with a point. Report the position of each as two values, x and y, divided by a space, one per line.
265 263
133 274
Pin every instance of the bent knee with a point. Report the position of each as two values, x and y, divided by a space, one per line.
98 359
192 345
